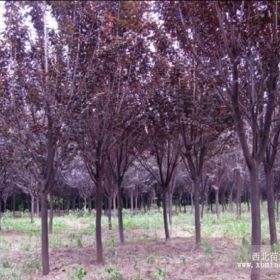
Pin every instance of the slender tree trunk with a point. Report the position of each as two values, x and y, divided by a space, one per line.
192 202
114 204
98 229
131 203
202 210
89 205
170 208
223 200
120 215
136 203
248 201
0 213
230 201
14 205
271 207
256 220
44 234
32 209
38 206
68 205
166 230
110 212
51 215
85 205
217 202
277 199
5 205
196 212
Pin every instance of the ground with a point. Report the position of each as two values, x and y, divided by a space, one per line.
146 255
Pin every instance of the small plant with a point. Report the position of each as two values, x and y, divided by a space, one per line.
80 273
276 248
25 247
31 264
152 259
6 263
160 273
183 259
207 248
78 239
113 274
245 251
112 243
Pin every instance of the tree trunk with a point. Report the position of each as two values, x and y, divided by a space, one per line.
38 206
217 202
32 209
14 205
44 234
196 212
256 221
230 201
68 205
114 204
98 229
51 215
0 212
110 212
166 230
120 215
136 203
277 206
223 200
85 205
5 205
271 208
202 210
89 205
131 203
192 202
170 209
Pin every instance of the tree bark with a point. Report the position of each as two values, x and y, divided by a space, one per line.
44 234
166 230
136 203
114 204
89 205
110 213
196 212
217 202
98 229
32 209
256 220
277 199
120 215
131 202
192 202
0 213
170 209
51 215
14 205
38 206
271 208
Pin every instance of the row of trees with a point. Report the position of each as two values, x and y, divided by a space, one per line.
164 84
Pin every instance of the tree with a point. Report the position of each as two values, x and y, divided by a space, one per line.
35 94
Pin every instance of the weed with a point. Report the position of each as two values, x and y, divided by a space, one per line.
113 274
160 273
207 248
80 273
